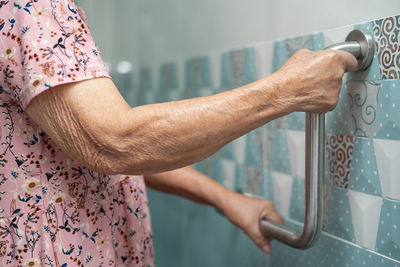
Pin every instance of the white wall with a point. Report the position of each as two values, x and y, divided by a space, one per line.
149 31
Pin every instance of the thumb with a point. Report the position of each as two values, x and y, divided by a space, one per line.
350 61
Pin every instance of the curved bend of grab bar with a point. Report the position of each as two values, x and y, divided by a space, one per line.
360 44
315 138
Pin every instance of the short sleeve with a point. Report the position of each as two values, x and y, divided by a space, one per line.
43 44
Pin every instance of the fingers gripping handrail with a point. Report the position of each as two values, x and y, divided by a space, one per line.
360 44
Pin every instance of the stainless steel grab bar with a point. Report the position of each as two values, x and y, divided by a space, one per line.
360 44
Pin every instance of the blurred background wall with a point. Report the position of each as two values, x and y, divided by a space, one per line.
150 31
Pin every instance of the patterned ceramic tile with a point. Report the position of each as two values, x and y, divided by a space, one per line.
363 97
284 49
228 170
168 76
296 121
227 151
365 212
253 148
240 178
387 125
268 161
339 149
266 136
364 171
266 185
373 72
279 155
388 242
339 120
338 213
197 73
280 55
238 68
216 69
282 184
388 158
264 55
387 43
328 251
297 200
297 147
145 78
253 180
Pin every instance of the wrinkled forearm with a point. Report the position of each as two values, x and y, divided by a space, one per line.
172 135
92 123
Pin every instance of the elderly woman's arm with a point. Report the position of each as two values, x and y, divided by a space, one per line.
91 122
245 212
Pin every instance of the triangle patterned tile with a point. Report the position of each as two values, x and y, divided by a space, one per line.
365 211
387 125
339 220
388 158
388 241
364 171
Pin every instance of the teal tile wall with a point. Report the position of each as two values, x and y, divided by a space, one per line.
362 196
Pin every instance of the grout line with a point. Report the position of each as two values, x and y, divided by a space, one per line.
346 241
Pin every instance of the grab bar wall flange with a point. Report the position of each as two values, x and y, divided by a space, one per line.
360 44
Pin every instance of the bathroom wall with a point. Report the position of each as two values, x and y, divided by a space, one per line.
362 183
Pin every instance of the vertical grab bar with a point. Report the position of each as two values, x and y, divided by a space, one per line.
360 44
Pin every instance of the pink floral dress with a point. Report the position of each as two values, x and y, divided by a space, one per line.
54 211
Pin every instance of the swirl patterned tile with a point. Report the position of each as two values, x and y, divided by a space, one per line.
364 171
388 241
362 96
339 149
386 33
387 125
339 120
373 72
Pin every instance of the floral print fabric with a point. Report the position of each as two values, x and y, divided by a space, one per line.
53 211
